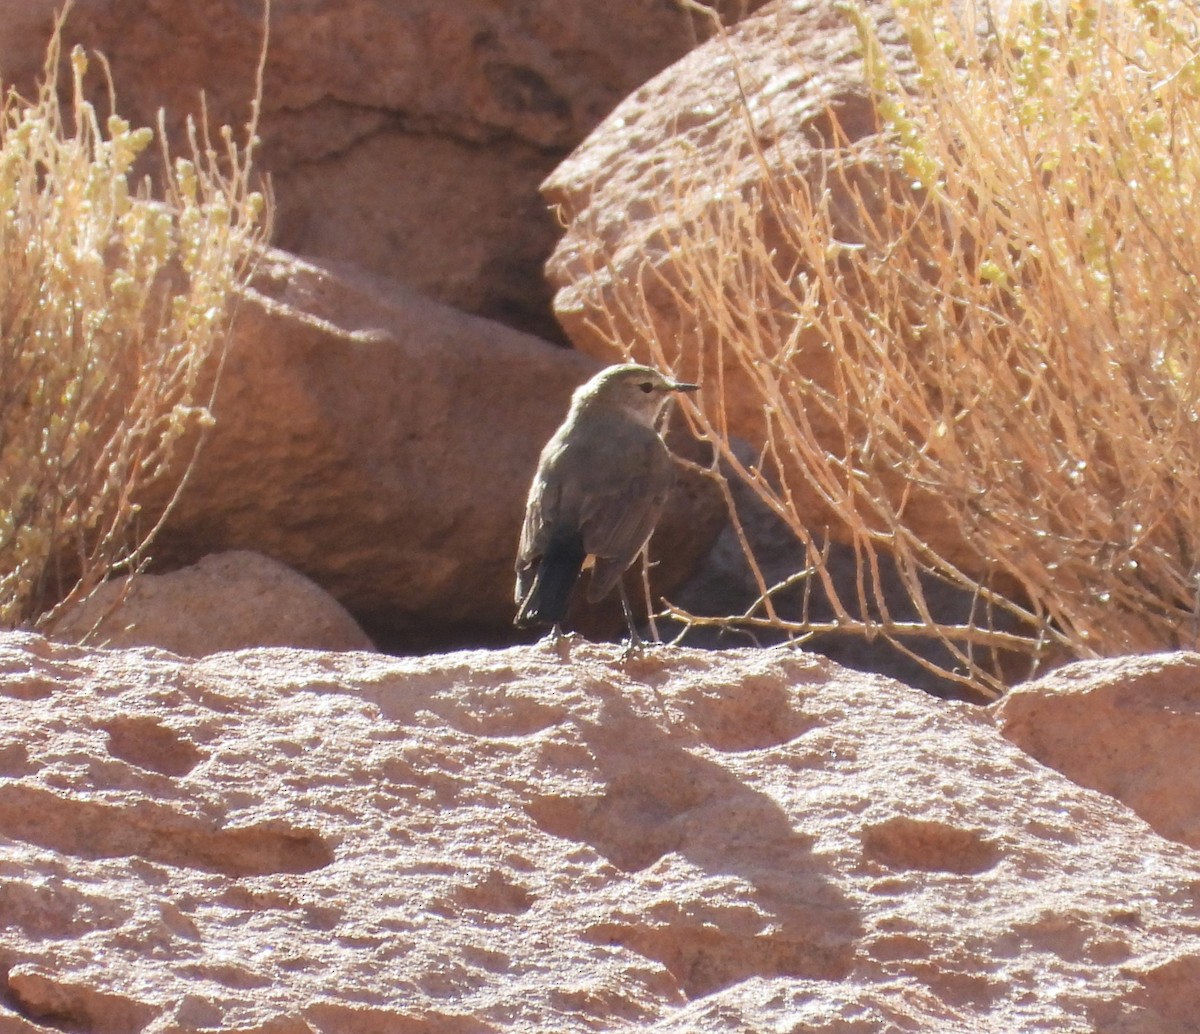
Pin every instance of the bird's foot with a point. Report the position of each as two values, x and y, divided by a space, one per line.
561 642
635 646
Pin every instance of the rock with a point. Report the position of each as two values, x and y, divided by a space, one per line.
376 441
227 601
1126 727
406 137
382 444
671 157
379 443
675 140
292 841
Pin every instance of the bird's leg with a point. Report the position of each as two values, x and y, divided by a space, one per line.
635 645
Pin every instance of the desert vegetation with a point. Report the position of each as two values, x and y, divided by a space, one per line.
969 337
114 308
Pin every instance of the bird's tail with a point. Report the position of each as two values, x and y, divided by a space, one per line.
548 596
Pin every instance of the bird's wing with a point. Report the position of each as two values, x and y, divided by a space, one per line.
552 502
608 480
532 530
544 506
618 524
535 529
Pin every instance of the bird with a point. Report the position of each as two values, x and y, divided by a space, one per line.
600 486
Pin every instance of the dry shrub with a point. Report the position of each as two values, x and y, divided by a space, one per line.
111 304
1003 327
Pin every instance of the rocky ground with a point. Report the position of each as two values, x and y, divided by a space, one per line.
290 841
304 841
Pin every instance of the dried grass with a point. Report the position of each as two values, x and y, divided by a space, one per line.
995 310
112 304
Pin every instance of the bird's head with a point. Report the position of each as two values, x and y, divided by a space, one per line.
641 391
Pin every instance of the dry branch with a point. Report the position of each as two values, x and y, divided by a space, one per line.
992 305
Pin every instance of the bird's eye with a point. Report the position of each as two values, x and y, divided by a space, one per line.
646 386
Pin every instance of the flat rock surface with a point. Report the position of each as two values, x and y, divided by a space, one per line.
535 839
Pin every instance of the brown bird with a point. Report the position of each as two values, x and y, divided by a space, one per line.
600 486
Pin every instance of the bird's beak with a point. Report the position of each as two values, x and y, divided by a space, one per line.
683 386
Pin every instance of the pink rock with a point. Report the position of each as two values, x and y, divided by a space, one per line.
382 444
735 118
294 841
226 601
1128 727
405 136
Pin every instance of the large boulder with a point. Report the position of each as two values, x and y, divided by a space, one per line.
369 434
382 444
407 137
308 843
736 118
